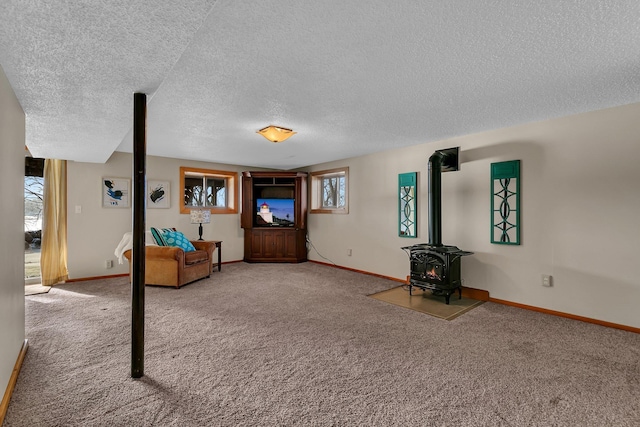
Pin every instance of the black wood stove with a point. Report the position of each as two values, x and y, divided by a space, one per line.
435 266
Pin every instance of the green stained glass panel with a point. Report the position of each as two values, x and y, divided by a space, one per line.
407 203
505 203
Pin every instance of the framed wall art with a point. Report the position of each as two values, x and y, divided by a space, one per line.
505 203
407 202
158 194
115 192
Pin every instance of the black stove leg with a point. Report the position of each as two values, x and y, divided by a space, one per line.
460 292
446 297
410 289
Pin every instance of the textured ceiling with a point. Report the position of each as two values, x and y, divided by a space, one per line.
350 77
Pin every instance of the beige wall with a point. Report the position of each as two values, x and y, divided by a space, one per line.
580 205
94 233
580 210
12 138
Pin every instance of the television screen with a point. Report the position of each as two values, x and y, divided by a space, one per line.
276 212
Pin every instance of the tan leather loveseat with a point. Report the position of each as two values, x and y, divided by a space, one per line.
172 266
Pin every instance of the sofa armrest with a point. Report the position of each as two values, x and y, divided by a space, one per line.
203 245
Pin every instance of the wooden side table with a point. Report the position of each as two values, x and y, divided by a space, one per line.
218 244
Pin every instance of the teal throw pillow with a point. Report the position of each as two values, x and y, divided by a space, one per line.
157 236
176 238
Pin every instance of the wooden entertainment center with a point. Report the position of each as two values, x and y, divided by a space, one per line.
278 231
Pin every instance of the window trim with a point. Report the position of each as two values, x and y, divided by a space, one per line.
232 190
316 191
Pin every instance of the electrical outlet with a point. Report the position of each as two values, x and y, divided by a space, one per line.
546 281
108 263
349 252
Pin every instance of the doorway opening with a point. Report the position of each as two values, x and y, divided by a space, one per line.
33 211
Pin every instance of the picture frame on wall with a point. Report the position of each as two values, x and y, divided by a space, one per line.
158 194
407 204
115 192
505 203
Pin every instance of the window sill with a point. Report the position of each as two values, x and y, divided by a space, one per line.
329 211
214 211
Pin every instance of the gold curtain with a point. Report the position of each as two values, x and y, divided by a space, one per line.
53 253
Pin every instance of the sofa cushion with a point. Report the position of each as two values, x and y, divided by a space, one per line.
176 238
157 236
195 257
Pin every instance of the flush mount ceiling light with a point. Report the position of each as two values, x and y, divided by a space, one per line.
276 133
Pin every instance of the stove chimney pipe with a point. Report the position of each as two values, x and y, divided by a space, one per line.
435 199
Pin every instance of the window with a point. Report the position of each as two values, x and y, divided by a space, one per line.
206 188
329 191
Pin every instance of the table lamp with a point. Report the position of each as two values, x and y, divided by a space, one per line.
200 216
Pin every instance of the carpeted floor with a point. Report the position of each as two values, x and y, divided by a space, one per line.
426 302
303 345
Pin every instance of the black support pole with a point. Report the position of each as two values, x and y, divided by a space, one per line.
138 251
